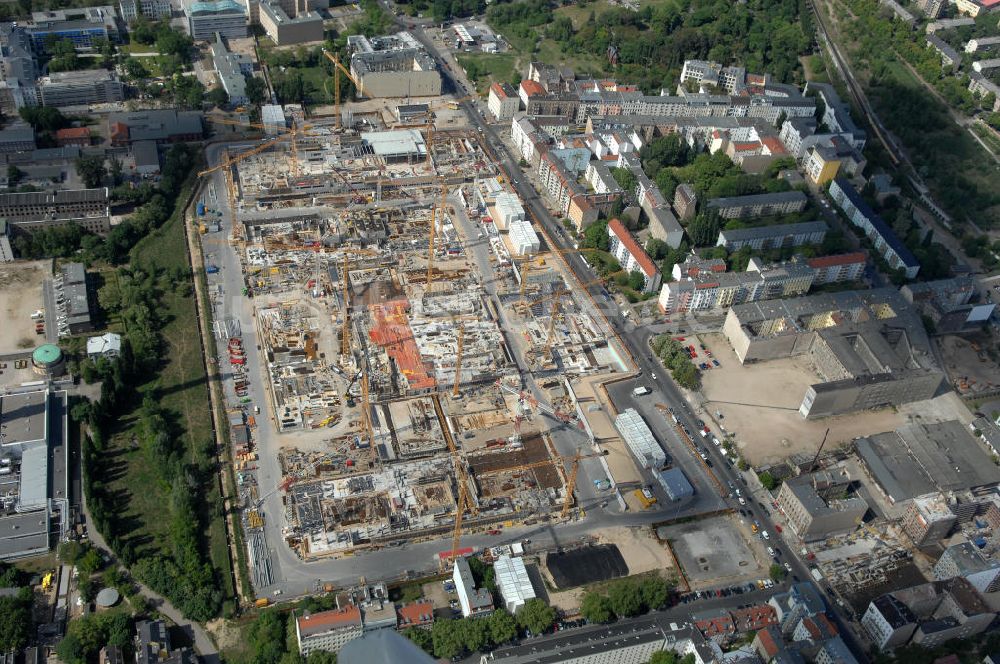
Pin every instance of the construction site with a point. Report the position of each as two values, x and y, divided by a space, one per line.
399 296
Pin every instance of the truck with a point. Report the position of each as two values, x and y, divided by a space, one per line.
201 209
640 391
212 269
261 602
646 497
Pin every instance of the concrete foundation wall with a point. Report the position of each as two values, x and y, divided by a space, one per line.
401 84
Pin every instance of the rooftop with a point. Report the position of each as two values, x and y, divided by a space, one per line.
803 228
759 199
23 418
882 228
918 458
633 248
325 621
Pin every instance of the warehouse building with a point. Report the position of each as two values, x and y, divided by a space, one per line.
395 146
640 440
208 18
393 66
513 582
675 483
80 88
167 126
76 297
916 459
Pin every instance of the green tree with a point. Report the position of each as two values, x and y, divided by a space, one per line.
655 592
70 650
625 178
595 236
316 657
90 561
777 573
536 616
217 97
446 637
256 90
625 598
15 620
503 626
14 175
636 280
134 69
767 480
657 249
474 633
63 54
596 608
43 118
421 637
663 657
91 170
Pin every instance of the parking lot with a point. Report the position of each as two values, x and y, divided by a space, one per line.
20 297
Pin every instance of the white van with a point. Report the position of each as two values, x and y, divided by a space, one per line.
642 390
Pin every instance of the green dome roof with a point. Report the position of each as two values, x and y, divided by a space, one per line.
47 354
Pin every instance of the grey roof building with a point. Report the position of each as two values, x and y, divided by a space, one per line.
161 126
773 237
231 68
949 56
812 510
41 209
393 66
967 561
919 458
80 88
675 483
152 645
758 205
17 137
801 600
837 114
888 622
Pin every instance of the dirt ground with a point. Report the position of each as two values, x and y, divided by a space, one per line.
600 416
642 553
20 296
970 369
766 422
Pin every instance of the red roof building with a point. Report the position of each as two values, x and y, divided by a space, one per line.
632 256
417 614
530 88
73 136
328 630
754 618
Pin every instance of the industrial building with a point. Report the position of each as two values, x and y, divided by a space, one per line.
815 506
513 582
869 347
168 126
916 459
75 299
639 439
474 601
886 243
79 88
393 66
146 158
523 239
34 456
283 29
758 205
90 208
948 303
208 18
17 137
763 238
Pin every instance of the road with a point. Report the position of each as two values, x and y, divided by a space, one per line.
633 338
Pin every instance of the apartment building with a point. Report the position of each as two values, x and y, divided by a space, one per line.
685 201
328 630
763 238
715 289
758 205
231 69
841 267
888 622
837 114
503 101
800 601
474 601
928 519
930 8
880 233
949 56
981 86
967 561
631 256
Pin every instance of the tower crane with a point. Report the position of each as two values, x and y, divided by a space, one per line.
432 234
287 483
337 69
458 359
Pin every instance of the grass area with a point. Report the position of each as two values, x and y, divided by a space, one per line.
485 68
990 138
181 389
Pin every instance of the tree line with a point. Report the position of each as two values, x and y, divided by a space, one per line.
625 598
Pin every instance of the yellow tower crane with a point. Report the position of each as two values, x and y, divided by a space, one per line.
432 235
337 69
458 359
